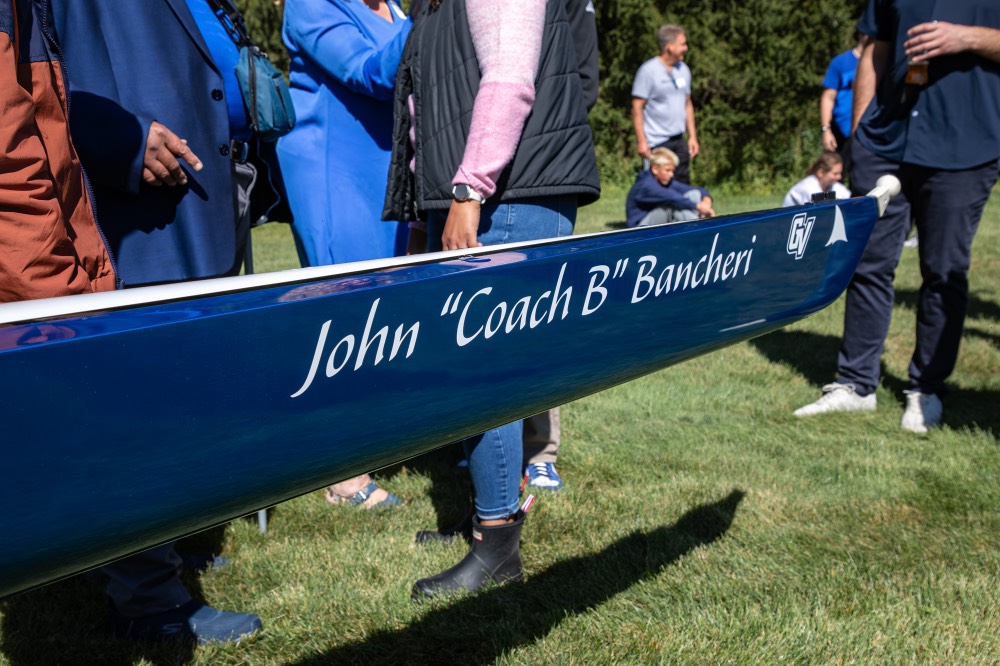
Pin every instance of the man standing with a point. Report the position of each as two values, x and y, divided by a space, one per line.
661 102
137 111
927 94
154 90
836 102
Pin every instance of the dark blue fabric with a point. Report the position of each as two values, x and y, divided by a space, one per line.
31 46
131 63
946 207
647 194
953 123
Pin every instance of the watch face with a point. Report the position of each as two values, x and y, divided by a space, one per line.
462 193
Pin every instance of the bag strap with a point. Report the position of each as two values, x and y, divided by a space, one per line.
232 21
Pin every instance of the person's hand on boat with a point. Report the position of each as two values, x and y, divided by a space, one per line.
159 163
461 229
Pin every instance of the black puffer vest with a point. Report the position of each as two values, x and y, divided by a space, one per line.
555 154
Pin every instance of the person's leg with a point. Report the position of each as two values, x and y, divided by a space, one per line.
244 179
546 217
495 470
362 491
843 149
869 297
541 437
680 148
948 206
495 456
149 601
683 214
146 583
541 449
870 294
655 216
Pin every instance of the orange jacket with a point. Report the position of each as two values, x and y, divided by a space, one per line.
50 244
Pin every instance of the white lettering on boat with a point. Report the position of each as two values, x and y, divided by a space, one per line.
526 312
493 312
597 287
342 352
718 267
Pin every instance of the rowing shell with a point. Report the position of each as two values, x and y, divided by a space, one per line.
134 418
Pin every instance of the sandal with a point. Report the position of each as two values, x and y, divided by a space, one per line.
359 498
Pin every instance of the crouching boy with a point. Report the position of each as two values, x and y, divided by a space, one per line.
657 198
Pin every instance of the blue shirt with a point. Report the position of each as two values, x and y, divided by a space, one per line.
953 122
226 56
647 194
840 77
344 59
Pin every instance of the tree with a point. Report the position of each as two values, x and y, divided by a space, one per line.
757 67
756 64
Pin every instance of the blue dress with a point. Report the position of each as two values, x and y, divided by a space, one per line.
335 162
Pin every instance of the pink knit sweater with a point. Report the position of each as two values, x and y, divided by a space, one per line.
507 35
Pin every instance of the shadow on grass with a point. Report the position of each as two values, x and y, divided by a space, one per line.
67 622
814 357
450 489
480 629
978 308
976 332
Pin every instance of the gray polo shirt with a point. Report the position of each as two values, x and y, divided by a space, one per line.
666 93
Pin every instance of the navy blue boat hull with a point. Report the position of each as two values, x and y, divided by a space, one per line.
127 428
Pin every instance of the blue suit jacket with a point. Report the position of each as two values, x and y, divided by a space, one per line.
131 63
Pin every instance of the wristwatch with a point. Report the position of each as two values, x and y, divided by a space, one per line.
463 192
824 128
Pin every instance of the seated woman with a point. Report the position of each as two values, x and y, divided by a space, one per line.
824 176
656 198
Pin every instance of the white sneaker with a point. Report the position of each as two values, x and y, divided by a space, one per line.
838 398
923 411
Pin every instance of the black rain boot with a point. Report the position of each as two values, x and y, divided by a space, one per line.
463 529
495 557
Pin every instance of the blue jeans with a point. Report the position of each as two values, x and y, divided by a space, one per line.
495 456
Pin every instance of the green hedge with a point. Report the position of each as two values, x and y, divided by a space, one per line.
756 68
756 64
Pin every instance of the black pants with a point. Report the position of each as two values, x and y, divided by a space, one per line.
843 149
679 145
946 207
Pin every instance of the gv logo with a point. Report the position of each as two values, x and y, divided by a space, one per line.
798 235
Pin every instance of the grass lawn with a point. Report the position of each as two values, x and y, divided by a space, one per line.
701 524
